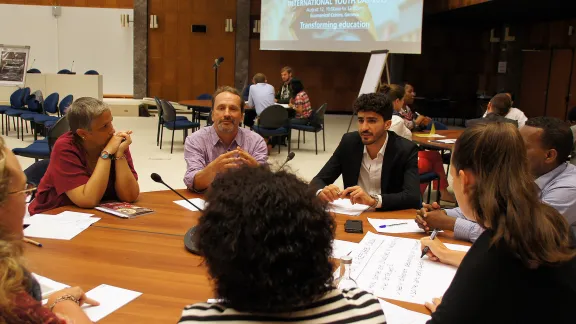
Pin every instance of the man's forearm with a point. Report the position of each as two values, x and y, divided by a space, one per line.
203 179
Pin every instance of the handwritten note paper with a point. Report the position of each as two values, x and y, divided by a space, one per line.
390 267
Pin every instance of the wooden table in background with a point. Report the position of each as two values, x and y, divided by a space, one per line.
196 103
425 141
147 254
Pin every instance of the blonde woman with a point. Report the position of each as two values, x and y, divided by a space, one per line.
19 292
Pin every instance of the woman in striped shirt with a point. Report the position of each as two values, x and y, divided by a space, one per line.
268 253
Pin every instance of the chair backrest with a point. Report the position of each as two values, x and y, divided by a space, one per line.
57 130
65 103
64 71
51 103
33 71
25 96
168 112
33 104
273 117
36 171
204 96
16 98
317 117
92 72
158 107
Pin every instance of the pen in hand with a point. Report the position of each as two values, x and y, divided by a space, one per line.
427 248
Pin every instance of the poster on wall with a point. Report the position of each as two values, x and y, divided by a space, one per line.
13 63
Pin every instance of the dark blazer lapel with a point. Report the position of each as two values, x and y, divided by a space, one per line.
355 162
389 157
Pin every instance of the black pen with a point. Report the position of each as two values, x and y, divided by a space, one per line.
427 248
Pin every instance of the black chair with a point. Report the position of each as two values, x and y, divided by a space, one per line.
36 171
274 122
170 122
161 120
315 125
64 71
41 149
34 70
91 72
428 178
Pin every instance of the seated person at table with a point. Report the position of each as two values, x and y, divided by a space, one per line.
285 93
300 102
20 295
498 107
268 255
514 113
379 168
412 120
548 142
428 161
224 145
522 269
261 96
90 163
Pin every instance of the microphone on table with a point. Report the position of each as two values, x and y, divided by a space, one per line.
217 62
189 242
288 159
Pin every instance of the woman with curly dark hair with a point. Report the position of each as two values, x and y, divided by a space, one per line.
267 242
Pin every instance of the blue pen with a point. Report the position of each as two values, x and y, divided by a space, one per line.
384 226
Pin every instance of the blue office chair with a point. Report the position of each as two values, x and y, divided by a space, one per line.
428 178
15 113
34 109
64 71
92 72
41 149
50 107
315 125
62 108
16 102
33 71
170 122
161 120
204 96
274 122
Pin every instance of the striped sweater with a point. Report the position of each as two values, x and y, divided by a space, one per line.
348 306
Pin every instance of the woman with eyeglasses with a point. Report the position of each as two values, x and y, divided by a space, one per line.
20 295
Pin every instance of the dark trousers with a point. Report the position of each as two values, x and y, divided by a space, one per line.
249 116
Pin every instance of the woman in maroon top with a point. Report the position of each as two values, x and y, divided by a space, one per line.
90 163
19 292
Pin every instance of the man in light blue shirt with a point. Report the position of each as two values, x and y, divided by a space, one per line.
548 144
261 95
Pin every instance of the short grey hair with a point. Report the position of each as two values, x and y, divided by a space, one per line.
83 111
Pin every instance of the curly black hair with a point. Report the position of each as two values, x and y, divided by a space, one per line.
376 102
556 135
267 241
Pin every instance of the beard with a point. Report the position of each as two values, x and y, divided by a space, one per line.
229 128
372 139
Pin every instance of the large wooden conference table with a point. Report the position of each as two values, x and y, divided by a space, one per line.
147 254
426 141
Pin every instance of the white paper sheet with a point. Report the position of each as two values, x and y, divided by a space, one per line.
63 226
398 315
110 298
196 201
344 206
48 286
445 141
342 248
408 225
391 267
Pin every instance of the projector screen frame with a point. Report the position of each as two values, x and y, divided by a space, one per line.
379 83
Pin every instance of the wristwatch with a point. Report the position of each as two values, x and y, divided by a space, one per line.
105 155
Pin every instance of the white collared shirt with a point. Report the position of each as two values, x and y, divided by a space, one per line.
515 114
371 173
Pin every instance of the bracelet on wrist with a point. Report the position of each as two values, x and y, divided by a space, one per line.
64 298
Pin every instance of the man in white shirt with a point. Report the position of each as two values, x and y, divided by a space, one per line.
514 113
378 167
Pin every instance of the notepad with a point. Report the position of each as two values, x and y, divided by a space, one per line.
408 225
344 206
196 201
110 298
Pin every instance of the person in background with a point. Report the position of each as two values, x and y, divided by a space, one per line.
91 162
284 94
572 120
498 109
412 120
378 167
526 251
20 295
548 143
246 91
268 255
513 113
300 102
428 161
261 96
213 150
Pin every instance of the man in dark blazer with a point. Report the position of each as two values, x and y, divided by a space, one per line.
498 108
379 168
